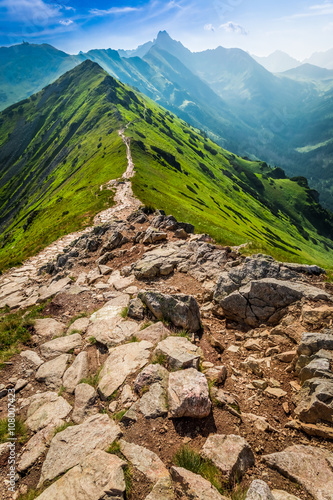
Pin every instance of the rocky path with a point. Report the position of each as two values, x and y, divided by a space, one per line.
155 339
125 203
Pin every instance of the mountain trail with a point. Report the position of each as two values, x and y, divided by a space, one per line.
125 203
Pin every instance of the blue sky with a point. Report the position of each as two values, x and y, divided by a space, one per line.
299 27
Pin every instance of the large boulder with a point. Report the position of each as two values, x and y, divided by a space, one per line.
37 445
122 362
264 301
308 466
69 447
315 401
181 310
188 394
48 327
179 353
314 342
259 267
97 477
231 454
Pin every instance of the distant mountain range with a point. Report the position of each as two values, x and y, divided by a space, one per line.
225 92
59 147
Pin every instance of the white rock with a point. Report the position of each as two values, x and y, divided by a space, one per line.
46 408
51 372
144 460
69 447
61 345
188 394
76 372
85 398
48 327
122 361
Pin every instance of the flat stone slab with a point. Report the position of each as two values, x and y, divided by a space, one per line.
154 333
144 460
51 372
61 345
80 324
111 309
95 478
179 352
76 372
113 332
37 445
188 394
49 327
194 486
231 454
122 361
69 447
85 398
163 490
46 408
45 292
309 466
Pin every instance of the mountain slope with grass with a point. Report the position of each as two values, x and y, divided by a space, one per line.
27 68
60 146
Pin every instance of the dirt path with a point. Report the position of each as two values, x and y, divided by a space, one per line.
125 204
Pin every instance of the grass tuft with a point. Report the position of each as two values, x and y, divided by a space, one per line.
21 430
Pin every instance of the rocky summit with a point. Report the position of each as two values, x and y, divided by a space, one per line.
153 364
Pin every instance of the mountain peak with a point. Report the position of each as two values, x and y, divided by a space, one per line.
163 35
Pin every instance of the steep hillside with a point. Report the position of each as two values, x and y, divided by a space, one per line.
27 68
61 145
56 150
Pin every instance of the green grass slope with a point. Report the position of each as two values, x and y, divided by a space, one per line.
56 150
59 146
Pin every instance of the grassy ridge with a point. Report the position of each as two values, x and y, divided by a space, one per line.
51 186
60 146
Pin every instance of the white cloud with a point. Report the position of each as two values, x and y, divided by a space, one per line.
209 27
233 28
113 11
29 9
323 9
66 22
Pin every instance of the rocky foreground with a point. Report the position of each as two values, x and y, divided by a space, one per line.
156 340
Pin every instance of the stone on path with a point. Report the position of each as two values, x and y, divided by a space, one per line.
231 454
154 333
315 401
113 332
69 447
263 301
188 394
144 460
181 310
153 403
309 466
46 408
163 490
122 362
37 445
150 375
61 345
314 342
85 398
51 372
80 324
47 291
193 485
49 327
76 372
179 353
32 357
259 490
283 495
97 477
111 309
